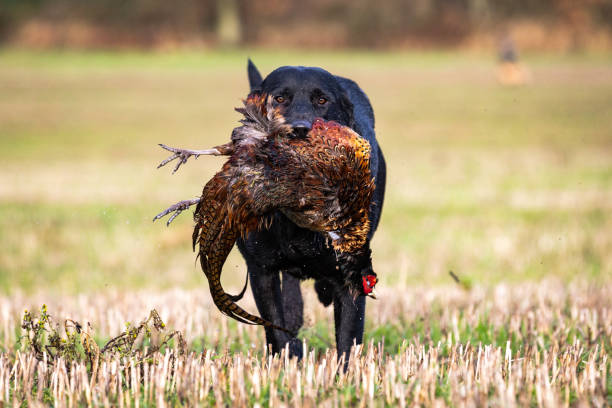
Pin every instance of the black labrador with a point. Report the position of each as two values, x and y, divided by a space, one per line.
280 257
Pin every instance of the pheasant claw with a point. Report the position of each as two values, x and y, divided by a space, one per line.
176 209
183 154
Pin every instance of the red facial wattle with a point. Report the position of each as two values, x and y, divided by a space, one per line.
369 281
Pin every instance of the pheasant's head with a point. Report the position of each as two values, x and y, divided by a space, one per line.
359 275
368 282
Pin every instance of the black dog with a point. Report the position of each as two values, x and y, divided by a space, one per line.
279 257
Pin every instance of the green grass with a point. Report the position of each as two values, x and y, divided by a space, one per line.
494 183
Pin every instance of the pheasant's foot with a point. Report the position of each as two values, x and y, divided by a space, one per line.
176 209
183 154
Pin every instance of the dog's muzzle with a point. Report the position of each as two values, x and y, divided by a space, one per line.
301 127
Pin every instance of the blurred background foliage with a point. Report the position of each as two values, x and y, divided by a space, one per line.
537 24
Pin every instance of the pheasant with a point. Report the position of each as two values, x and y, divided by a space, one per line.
321 182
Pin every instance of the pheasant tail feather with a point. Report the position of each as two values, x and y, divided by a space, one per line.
216 238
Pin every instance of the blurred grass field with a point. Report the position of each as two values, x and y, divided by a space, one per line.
494 183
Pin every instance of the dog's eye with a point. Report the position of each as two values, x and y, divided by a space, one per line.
279 99
322 101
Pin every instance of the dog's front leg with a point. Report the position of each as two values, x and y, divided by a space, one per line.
266 286
293 303
349 316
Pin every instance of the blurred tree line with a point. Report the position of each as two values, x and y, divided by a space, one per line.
320 23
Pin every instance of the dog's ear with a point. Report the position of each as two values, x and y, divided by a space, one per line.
254 76
347 108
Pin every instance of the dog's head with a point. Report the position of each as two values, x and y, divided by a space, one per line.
303 94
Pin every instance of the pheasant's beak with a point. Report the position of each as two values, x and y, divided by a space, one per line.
372 294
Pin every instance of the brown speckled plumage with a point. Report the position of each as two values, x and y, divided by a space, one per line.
321 182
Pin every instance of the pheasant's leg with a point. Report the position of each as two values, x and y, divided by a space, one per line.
183 154
176 209
349 316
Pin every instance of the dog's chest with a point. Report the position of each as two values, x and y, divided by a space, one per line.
295 243
303 253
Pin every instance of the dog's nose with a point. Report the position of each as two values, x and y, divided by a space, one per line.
301 127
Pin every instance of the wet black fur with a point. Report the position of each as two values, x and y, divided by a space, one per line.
280 257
